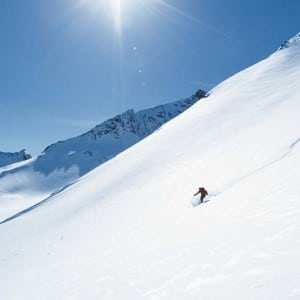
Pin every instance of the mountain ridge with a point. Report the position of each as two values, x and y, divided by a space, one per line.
112 136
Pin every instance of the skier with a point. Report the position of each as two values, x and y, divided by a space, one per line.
203 192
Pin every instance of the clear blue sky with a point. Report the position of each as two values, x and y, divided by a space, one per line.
66 65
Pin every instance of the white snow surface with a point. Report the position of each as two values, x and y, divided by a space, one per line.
126 230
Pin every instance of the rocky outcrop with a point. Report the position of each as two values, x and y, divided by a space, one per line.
293 41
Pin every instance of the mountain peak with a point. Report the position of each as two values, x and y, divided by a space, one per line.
7 158
291 42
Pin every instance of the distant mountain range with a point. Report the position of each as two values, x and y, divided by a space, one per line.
109 138
63 162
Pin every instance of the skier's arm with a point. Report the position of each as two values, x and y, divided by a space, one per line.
197 193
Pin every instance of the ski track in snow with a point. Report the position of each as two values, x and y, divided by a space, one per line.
237 181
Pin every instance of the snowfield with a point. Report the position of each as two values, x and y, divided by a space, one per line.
127 230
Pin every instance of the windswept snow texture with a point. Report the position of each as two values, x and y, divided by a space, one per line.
7 158
62 163
126 230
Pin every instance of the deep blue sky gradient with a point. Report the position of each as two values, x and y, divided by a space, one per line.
64 69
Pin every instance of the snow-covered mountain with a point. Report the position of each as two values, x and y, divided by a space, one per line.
7 158
62 163
110 137
126 230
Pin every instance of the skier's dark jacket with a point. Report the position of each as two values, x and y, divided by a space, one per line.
202 191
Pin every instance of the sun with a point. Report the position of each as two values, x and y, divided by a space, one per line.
112 10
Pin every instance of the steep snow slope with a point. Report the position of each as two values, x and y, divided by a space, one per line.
126 231
7 158
62 163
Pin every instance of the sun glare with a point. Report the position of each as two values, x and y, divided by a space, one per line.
117 15
113 10
118 12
